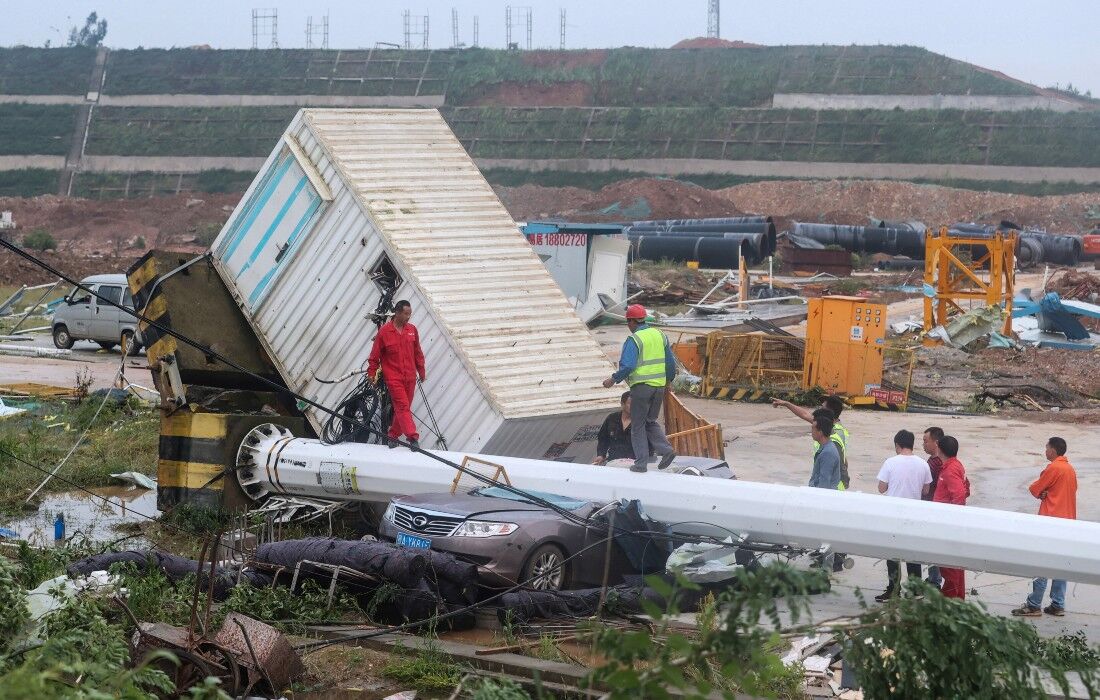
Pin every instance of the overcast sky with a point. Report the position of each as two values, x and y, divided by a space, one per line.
1056 41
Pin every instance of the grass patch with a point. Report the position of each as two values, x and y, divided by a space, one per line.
154 598
428 671
28 182
123 438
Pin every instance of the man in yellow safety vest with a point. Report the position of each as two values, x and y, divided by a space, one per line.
647 365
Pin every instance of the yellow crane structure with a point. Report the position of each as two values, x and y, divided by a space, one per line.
962 268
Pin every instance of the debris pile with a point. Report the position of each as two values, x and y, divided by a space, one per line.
1075 284
662 285
420 583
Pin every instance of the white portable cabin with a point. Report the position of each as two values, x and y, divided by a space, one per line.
588 261
511 370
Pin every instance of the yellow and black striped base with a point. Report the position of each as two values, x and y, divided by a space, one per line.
198 455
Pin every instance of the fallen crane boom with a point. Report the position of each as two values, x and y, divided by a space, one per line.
271 460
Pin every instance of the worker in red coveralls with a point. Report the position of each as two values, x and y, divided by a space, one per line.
952 487
397 349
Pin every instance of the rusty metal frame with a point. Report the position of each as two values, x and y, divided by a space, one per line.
498 471
955 280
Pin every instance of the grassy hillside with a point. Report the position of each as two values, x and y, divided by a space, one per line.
277 72
29 182
31 71
615 77
223 131
36 129
861 136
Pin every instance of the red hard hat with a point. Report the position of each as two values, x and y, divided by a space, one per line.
635 311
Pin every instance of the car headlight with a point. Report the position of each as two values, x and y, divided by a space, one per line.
484 528
388 515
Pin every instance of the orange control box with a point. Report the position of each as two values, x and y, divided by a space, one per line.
845 339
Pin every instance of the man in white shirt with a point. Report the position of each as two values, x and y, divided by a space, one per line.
902 476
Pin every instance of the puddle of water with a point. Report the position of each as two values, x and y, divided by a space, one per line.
92 517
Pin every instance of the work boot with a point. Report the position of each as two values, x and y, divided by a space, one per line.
886 595
1027 610
639 467
391 443
666 460
1054 610
414 444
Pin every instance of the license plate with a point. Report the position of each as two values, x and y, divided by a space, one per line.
413 541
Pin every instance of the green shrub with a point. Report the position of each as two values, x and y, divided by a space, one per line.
39 239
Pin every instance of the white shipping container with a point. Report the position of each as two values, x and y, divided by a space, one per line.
511 370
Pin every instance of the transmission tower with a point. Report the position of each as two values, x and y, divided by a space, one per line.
313 31
476 44
455 43
561 22
265 22
509 17
415 26
713 11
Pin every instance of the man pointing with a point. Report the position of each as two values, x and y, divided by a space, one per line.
397 350
647 365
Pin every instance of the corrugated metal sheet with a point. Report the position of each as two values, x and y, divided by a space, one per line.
500 340
487 288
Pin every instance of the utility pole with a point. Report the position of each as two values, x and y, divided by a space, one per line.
714 30
313 31
507 26
476 44
561 21
410 24
454 28
265 22
509 16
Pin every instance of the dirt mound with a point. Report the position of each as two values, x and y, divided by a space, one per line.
626 200
16 271
116 226
537 202
853 201
520 94
704 42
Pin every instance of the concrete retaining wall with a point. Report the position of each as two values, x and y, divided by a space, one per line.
765 168
233 100
43 99
652 166
271 101
167 164
24 162
993 103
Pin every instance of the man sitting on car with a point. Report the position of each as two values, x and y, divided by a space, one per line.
613 441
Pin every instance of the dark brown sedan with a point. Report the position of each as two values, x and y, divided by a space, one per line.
512 540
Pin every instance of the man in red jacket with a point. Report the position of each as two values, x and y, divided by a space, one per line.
397 349
952 487
1056 489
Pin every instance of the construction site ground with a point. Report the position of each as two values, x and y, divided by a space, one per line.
1002 454
1002 451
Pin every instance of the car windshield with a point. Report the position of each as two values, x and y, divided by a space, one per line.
559 501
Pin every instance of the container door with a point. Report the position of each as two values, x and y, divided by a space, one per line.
262 239
105 318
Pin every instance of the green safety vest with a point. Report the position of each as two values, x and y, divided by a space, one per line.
840 436
651 358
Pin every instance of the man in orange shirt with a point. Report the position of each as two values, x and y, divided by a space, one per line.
1056 489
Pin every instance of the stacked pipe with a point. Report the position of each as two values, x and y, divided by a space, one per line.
713 243
866 239
1032 247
